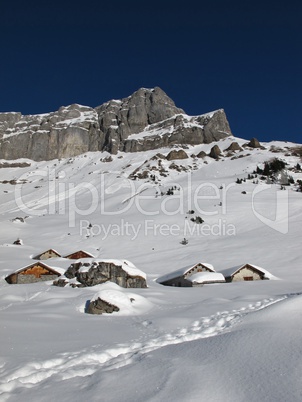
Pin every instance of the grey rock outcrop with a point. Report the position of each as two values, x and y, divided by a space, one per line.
254 143
14 165
177 154
8 120
62 282
181 130
215 152
234 147
118 119
100 306
70 131
96 272
201 154
148 119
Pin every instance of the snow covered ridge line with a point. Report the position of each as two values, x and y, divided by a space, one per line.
206 200
113 126
85 363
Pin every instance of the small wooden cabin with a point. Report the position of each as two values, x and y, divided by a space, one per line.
181 277
37 272
51 253
78 254
246 272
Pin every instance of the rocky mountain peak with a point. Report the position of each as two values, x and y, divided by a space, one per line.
147 119
131 115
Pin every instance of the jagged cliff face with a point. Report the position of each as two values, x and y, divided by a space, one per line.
146 120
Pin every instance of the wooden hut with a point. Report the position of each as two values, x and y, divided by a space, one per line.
36 272
51 253
78 254
246 272
181 277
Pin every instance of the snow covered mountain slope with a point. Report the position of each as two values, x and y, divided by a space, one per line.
236 341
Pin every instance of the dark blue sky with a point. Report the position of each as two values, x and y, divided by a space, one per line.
245 57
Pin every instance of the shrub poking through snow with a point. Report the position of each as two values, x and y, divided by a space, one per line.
197 220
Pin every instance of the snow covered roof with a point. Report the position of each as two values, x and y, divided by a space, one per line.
126 265
233 270
79 251
49 250
183 271
206 277
59 271
204 264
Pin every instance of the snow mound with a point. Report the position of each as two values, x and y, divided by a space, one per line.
129 303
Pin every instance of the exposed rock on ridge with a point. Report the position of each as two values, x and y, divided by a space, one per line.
181 130
119 119
148 119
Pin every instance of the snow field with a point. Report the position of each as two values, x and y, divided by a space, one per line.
85 363
169 344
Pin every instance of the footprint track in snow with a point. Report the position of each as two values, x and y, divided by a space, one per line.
87 362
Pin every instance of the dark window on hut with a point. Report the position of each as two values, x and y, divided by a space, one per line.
248 278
